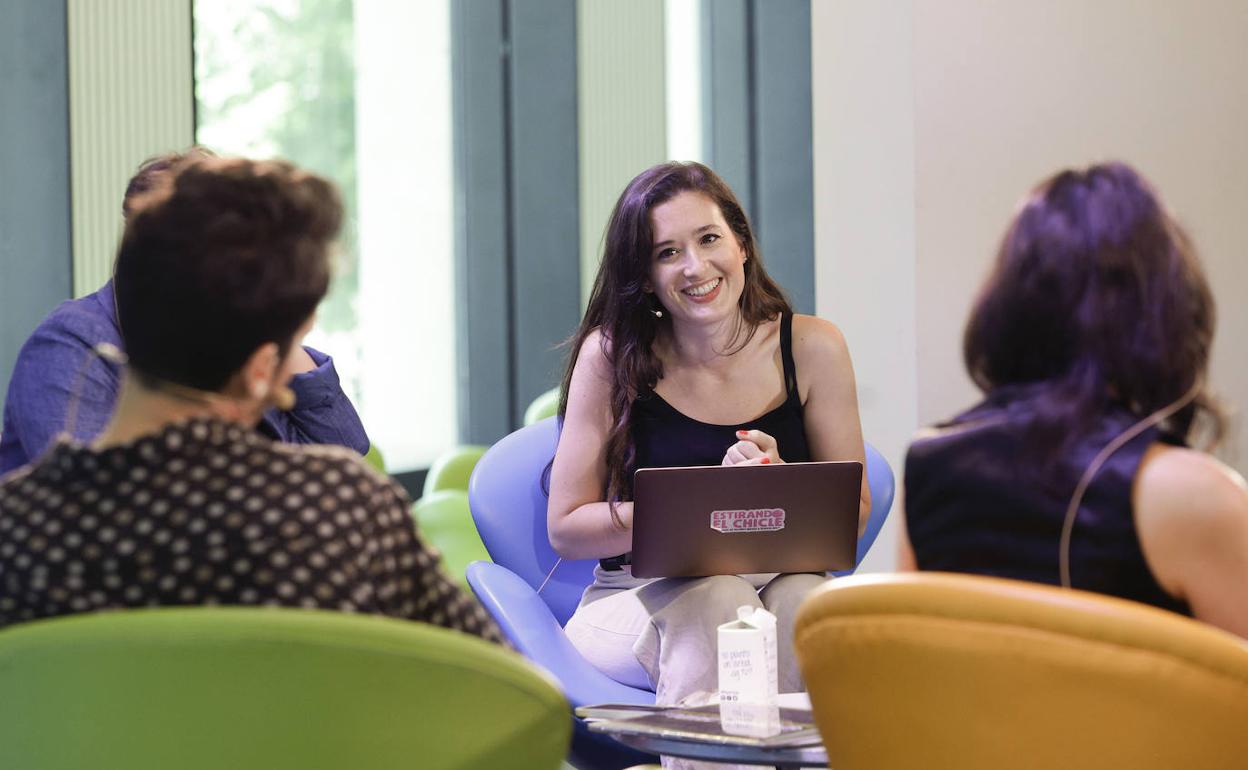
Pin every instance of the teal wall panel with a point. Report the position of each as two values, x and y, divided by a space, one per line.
34 170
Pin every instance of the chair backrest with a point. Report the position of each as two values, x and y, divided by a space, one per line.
883 487
545 405
509 506
375 459
268 689
953 671
446 523
452 469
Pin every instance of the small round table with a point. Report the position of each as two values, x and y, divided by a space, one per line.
779 757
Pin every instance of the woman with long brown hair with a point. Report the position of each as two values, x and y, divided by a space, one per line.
1091 342
689 354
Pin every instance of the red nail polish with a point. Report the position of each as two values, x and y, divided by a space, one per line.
743 433
766 460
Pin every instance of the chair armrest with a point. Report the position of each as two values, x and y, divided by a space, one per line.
529 625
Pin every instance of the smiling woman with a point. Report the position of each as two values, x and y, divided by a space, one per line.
691 269
688 354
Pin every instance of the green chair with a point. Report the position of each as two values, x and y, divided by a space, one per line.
545 405
373 458
268 689
445 522
452 469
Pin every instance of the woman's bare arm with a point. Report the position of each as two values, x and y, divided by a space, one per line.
830 396
906 561
578 520
1191 513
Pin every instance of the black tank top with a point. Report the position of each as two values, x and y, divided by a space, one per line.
971 507
664 437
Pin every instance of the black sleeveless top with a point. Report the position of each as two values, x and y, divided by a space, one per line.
972 507
664 437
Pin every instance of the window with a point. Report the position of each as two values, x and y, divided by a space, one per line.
466 259
360 93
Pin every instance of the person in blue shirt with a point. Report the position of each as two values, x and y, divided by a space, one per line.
56 372
178 501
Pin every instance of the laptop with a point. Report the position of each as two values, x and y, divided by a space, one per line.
742 519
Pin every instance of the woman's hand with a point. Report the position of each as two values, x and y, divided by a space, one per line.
753 447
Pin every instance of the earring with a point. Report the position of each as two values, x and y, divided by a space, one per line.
283 398
657 313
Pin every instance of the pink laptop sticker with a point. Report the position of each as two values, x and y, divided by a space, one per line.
749 520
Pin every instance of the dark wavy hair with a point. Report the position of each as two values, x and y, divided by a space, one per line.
219 257
1097 301
623 310
151 170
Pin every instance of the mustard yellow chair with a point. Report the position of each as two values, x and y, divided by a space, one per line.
945 671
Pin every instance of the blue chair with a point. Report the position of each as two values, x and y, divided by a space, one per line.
882 485
508 503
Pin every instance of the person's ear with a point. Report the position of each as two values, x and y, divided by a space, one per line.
260 370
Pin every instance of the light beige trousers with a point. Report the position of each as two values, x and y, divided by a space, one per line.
661 634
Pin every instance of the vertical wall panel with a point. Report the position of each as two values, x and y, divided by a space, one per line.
131 95
783 176
34 171
621 87
758 129
545 222
728 65
478 106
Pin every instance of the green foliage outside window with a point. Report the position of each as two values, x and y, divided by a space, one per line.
276 78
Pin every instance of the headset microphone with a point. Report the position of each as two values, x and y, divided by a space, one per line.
1072 510
281 397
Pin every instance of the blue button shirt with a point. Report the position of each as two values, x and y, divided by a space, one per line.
57 361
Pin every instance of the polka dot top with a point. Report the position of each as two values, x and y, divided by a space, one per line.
207 512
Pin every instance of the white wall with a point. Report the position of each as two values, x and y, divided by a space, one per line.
863 113
405 186
934 117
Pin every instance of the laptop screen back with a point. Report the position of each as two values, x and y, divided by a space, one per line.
734 520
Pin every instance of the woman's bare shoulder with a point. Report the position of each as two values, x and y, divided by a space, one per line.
1191 515
594 354
1189 483
818 341
1187 503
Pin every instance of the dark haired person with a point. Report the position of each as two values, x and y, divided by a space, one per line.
46 377
179 501
688 354
1091 344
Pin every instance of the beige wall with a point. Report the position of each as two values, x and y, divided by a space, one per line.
985 99
863 113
